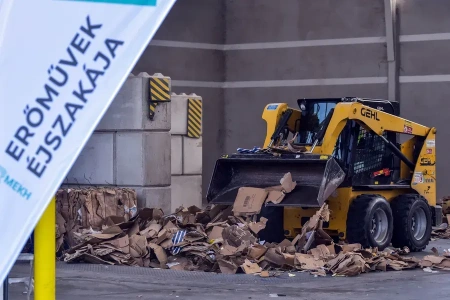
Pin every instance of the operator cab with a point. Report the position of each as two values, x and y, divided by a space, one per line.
364 155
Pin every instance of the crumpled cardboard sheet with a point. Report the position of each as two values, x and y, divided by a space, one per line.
84 211
276 194
249 200
443 231
437 262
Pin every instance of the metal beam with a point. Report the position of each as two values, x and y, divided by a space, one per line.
391 46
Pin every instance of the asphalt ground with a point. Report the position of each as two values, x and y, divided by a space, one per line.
99 282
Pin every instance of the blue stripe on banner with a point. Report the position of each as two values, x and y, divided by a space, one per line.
126 2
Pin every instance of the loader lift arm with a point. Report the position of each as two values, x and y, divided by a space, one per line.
374 120
278 127
379 122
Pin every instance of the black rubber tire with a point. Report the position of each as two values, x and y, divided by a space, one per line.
403 208
274 231
359 221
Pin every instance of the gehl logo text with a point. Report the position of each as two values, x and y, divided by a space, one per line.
368 113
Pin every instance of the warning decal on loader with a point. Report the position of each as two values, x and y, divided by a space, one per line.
418 178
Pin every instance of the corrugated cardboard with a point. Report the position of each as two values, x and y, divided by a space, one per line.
350 247
348 264
249 201
138 246
228 250
227 267
289 259
160 254
258 226
134 243
274 258
275 197
308 262
151 231
250 268
255 252
216 233
93 208
235 236
287 183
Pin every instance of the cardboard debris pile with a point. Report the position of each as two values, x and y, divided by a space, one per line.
218 240
85 211
221 239
441 232
436 261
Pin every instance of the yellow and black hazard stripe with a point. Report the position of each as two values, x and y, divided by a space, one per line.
159 92
159 89
194 118
152 110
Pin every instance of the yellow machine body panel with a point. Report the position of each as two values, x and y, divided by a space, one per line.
338 204
424 173
424 177
272 114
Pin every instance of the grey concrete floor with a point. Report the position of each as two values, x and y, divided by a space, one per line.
83 281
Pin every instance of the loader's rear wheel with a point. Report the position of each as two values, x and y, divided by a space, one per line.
369 221
412 222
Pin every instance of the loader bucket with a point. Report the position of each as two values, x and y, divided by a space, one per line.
317 178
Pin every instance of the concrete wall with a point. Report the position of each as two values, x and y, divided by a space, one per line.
186 158
424 28
129 150
185 48
281 53
240 55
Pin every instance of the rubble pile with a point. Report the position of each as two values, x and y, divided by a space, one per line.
219 240
85 210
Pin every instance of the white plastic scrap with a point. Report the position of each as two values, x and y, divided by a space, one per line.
429 270
80 215
132 211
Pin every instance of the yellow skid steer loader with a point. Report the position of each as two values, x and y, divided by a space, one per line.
378 190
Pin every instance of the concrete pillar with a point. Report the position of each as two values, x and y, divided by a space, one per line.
187 148
131 147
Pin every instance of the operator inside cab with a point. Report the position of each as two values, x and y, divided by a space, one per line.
314 114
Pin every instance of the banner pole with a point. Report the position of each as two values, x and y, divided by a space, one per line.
5 290
44 255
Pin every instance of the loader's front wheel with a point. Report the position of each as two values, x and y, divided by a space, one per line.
412 222
370 222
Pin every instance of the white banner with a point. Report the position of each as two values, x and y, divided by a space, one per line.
61 64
